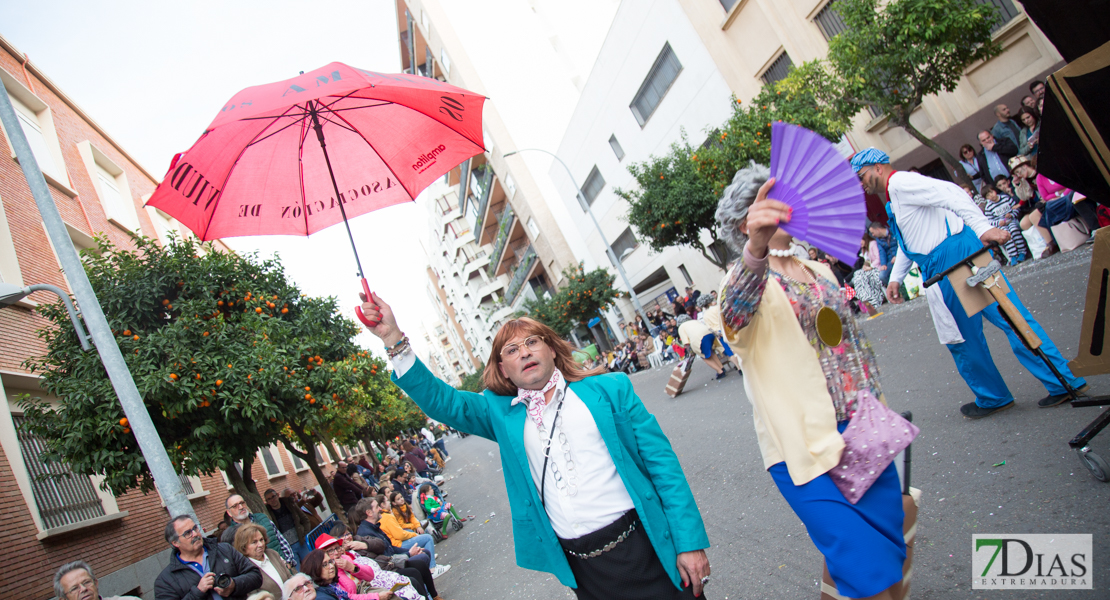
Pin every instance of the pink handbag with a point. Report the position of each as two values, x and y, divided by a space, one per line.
874 437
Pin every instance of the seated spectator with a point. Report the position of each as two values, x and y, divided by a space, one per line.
348 492
75 581
250 541
290 520
400 537
241 515
402 512
330 576
416 456
1030 136
697 336
380 576
970 163
298 587
994 156
262 595
370 528
1005 128
196 564
438 510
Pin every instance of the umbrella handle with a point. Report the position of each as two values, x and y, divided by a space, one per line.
358 309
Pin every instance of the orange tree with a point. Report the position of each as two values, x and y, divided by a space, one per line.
225 350
583 297
674 202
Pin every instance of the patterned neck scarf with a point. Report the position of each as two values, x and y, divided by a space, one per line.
537 399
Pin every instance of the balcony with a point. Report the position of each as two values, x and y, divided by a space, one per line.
478 261
481 182
504 231
520 273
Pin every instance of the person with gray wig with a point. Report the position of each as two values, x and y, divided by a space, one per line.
806 364
76 581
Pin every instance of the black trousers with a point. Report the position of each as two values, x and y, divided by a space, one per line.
630 571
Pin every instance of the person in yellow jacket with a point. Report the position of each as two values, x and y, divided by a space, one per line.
401 538
403 513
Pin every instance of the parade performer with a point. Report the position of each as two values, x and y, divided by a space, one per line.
936 226
597 495
804 387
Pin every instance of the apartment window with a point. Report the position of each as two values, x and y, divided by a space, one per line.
778 69
616 146
424 22
592 186
64 498
626 241
111 186
829 21
510 186
532 227
271 460
1006 12
443 60
728 4
685 274
298 464
9 265
37 141
659 80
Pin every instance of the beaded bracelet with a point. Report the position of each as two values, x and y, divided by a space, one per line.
398 349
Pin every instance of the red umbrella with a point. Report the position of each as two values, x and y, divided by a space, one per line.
297 156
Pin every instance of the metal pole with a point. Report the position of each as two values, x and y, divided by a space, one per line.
165 477
608 248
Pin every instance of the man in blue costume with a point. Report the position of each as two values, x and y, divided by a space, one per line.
598 497
936 225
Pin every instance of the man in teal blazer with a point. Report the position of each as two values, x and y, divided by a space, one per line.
598 497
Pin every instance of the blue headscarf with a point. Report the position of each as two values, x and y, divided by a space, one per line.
870 156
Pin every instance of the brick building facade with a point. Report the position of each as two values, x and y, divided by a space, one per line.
99 189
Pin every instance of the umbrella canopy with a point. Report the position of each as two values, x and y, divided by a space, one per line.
297 156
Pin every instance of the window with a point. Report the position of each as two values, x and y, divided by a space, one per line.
659 80
424 21
37 141
9 264
271 461
37 123
625 242
298 464
685 274
1006 12
616 146
778 69
592 186
532 227
111 186
443 60
829 21
510 186
728 4
63 499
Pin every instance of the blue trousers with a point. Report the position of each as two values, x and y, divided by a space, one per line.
973 357
424 541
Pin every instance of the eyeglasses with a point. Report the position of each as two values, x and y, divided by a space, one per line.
329 563
239 504
513 350
191 532
300 589
862 171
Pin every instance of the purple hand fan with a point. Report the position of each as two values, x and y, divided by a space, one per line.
818 183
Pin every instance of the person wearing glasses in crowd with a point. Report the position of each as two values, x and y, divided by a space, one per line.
76 581
198 565
331 575
298 587
597 495
936 226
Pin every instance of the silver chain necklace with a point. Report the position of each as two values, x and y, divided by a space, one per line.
567 486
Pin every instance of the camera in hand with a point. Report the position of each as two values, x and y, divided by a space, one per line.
223 580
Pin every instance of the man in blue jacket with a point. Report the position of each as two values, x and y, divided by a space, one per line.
598 497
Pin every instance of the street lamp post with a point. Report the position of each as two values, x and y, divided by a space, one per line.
608 248
165 477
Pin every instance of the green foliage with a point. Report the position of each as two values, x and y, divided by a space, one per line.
895 53
583 297
677 193
473 382
226 353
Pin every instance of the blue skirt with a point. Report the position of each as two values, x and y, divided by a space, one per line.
863 543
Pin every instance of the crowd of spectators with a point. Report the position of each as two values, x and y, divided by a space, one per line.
381 546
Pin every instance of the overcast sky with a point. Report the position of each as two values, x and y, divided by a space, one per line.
155 74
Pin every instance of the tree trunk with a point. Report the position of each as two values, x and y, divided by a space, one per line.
310 459
710 256
945 156
366 439
254 501
330 446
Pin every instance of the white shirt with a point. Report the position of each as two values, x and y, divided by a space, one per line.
268 568
601 497
922 208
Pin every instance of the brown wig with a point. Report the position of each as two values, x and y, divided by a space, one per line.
524 326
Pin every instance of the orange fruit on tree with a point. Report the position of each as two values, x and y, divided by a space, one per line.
127 430
205 334
126 332
258 310
173 376
136 338
123 421
198 376
312 401
284 310
219 382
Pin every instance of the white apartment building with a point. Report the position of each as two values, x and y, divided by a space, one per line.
531 59
652 80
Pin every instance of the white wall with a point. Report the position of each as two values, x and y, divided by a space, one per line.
698 98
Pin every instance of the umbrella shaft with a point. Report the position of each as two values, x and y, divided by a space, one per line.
323 146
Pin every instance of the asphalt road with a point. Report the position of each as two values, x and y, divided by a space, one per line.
760 548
